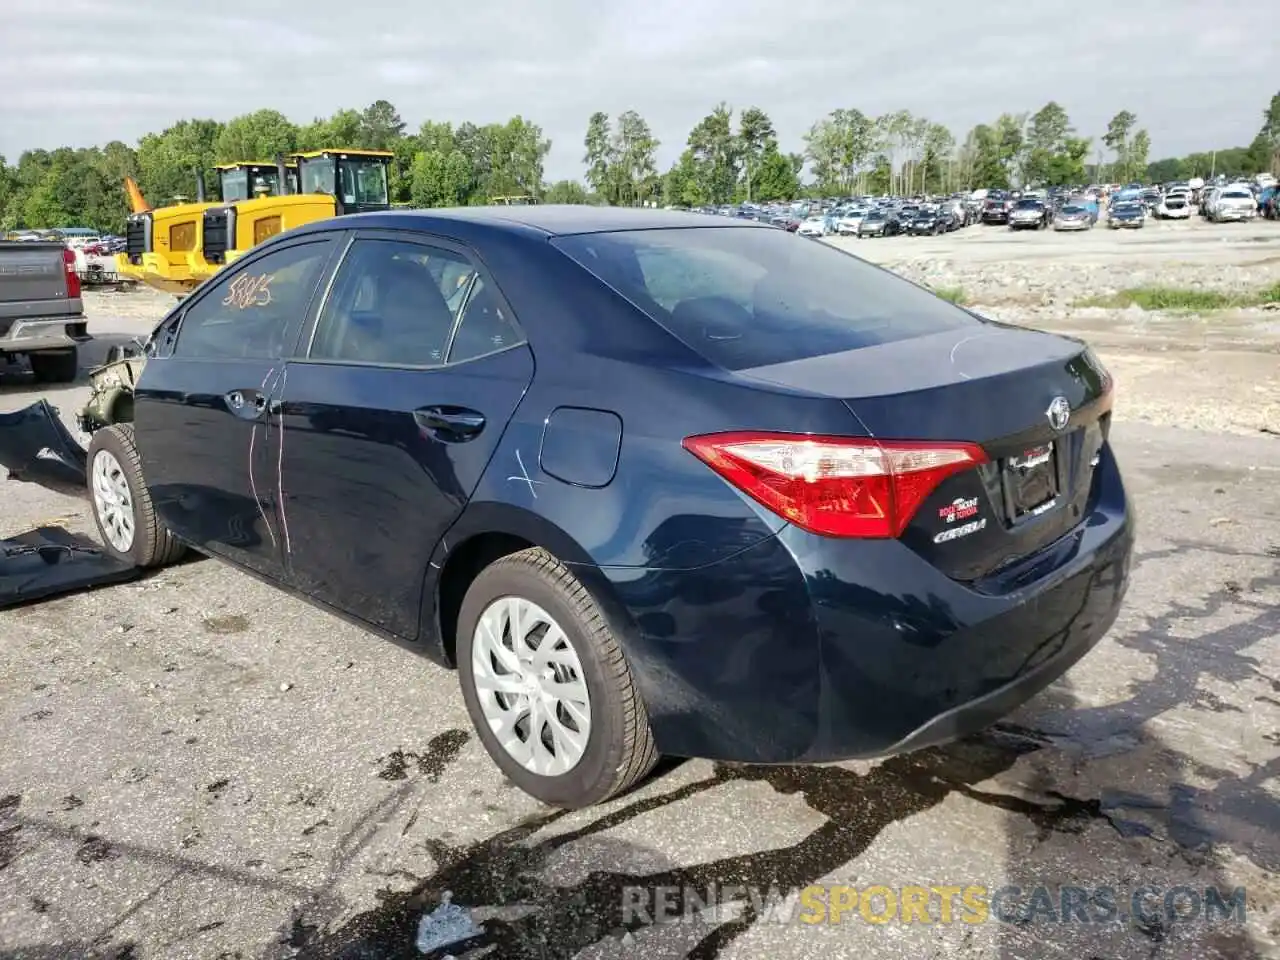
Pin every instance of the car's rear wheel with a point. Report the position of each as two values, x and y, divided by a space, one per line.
55 366
122 508
547 686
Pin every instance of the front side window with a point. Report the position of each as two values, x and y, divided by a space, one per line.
392 303
317 176
363 182
745 297
235 185
249 311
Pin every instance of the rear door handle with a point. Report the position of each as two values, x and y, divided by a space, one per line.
451 424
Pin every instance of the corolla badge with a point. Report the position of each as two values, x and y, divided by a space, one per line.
1059 413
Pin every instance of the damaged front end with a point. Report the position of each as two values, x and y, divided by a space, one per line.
111 389
50 561
35 447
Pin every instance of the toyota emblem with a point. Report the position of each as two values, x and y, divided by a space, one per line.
1059 413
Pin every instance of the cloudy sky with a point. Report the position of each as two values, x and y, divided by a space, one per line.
1198 73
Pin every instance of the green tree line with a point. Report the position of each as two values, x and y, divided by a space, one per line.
728 156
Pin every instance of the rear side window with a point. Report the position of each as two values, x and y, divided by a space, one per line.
749 297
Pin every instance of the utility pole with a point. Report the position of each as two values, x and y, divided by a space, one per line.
1213 165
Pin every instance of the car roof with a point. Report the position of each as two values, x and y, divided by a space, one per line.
547 219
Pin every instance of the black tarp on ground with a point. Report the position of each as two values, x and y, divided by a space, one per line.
35 447
49 561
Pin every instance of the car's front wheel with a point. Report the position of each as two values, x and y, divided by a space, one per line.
122 508
547 686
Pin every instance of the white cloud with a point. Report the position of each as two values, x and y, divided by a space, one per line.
403 71
1197 72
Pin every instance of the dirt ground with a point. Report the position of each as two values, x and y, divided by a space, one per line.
1213 371
198 766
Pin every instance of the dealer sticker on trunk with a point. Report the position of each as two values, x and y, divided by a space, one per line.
959 509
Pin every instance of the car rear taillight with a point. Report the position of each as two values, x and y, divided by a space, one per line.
835 486
73 278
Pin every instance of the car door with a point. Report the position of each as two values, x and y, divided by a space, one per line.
411 371
202 408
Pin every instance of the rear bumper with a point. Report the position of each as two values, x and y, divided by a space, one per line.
25 336
812 650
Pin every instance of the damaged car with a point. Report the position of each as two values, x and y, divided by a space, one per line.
800 520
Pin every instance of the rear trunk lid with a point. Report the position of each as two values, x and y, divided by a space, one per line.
1004 388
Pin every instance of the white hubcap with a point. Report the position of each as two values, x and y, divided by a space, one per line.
112 501
529 681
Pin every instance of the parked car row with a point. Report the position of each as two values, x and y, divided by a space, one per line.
1071 208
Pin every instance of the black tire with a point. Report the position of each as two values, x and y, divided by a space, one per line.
152 545
620 749
55 366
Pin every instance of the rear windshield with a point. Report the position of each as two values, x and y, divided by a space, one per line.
747 297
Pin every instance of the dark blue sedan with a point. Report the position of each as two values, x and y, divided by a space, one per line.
653 483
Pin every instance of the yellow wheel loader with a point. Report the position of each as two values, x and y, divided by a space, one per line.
163 245
175 248
329 183
160 242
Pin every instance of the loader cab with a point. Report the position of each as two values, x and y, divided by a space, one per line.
246 181
356 179
241 183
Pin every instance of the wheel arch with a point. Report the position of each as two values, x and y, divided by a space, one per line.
484 533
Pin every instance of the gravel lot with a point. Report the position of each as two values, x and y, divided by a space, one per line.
198 766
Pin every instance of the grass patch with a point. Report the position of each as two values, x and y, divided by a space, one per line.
1176 298
950 294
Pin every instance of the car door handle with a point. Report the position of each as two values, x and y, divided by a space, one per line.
451 424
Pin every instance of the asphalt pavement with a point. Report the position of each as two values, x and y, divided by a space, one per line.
195 765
